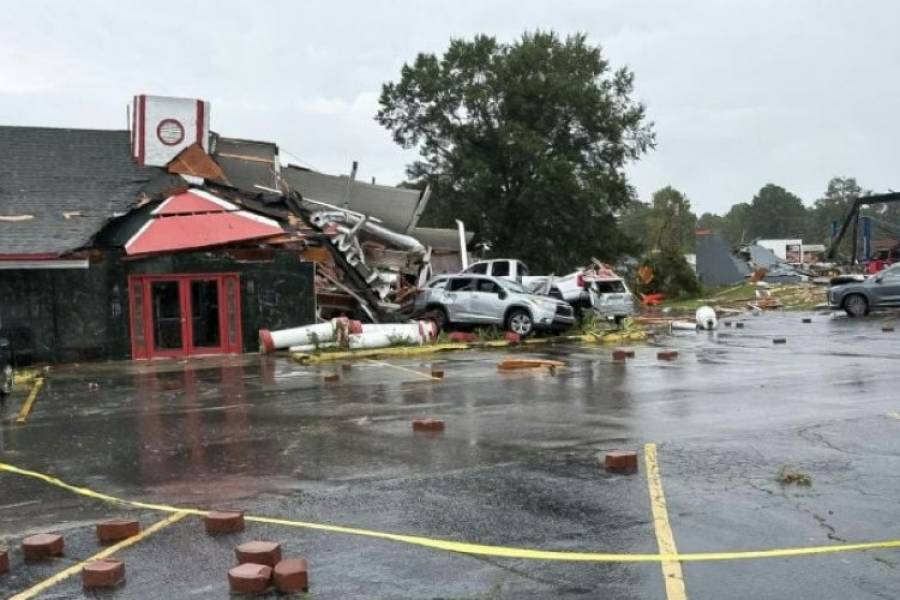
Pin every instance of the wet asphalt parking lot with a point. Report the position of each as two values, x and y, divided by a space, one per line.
517 466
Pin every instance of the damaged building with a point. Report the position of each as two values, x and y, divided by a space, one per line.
169 240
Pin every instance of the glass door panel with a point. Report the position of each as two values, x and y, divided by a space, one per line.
205 314
167 316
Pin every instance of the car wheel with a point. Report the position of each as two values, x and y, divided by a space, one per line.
439 316
6 381
856 305
519 321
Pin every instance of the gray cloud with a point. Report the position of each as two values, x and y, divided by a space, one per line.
742 93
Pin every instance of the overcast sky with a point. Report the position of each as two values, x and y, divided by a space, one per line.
742 93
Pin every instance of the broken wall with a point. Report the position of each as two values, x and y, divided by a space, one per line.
65 315
71 315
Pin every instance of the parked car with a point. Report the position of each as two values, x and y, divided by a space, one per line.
610 298
506 268
597 287
6 369
427 293
858 298
482 300
568 287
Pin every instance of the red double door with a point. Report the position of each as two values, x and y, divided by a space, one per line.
185 315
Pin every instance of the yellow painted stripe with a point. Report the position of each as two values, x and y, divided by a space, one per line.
406 370
105 553
29 402
479 549
665 540
399 351
381 352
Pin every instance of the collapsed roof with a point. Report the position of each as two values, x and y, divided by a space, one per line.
398 208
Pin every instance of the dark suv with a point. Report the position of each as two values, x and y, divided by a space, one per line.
858 298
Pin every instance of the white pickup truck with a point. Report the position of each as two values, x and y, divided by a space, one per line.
597 287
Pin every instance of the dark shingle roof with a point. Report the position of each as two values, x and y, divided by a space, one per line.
48 172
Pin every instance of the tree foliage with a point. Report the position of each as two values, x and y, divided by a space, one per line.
776 213
526 142
665 223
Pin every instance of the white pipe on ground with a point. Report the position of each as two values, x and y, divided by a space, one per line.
270 341
381 336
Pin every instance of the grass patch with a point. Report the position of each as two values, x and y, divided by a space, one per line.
790 476
793 296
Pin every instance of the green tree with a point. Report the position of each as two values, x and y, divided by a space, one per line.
737 223
833 206
634 223
526 142
713 222
776 213
672 223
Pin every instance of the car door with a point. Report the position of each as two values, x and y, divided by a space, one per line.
486 305
887 288
457 298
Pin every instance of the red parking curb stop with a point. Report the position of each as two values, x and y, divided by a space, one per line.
259 553
224 522
428 425
292 575
116 530
250 578
42 546
622 353
104 573
333 378
621 462
4 561
512 337
667 355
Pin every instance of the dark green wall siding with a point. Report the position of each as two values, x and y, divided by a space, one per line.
73 315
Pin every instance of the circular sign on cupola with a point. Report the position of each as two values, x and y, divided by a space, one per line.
170 132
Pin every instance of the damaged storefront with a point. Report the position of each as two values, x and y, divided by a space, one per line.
169 240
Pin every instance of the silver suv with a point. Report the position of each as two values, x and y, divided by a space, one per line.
481 300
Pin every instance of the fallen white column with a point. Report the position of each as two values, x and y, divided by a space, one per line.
321 333
381 336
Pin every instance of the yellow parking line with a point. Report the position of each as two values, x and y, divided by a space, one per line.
671 569
105 553
399 368
29 402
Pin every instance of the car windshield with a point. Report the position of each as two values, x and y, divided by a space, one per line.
513 286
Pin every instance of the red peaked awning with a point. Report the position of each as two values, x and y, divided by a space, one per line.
198 219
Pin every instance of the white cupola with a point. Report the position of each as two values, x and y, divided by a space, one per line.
161 127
